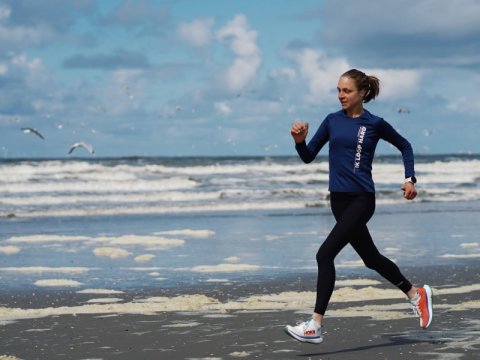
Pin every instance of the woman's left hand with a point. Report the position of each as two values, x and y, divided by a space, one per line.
409 191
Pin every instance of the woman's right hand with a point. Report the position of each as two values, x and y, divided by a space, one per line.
299 131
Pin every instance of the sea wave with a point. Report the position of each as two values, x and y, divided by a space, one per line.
73 187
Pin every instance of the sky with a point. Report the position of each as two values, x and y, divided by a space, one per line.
229 78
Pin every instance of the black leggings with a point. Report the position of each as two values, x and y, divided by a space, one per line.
352 212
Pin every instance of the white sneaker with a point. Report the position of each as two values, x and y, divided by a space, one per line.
305 332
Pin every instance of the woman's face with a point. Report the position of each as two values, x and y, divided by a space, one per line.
348 94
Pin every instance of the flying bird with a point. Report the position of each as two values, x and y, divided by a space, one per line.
84 145
403 110
33 131
427 132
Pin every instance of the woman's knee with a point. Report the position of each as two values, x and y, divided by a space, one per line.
370 263
377 262
324 255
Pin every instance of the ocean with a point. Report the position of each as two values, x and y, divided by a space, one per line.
123 223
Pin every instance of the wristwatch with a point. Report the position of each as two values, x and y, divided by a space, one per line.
411 179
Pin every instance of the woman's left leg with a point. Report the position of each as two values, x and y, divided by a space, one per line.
373 259
420 298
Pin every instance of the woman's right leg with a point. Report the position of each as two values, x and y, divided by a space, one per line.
351 212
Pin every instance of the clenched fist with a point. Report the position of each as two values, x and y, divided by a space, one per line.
299 131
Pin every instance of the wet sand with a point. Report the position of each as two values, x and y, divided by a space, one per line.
245 321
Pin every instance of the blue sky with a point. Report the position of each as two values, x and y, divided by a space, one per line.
225 78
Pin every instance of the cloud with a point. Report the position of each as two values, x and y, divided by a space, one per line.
197 33
403 33
465 104
139 80
243 43
321 73
396 84
119 59
130 13
27 80
20 37
34 15
5 12
287 73
28 24
408 17
222 108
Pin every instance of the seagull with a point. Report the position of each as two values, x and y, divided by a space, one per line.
84 145
427 132
127 91
33 131
403 110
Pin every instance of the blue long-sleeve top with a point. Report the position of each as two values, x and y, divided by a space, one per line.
352 144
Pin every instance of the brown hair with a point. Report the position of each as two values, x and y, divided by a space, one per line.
369 83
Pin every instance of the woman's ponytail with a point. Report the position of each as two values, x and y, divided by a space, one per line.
369 83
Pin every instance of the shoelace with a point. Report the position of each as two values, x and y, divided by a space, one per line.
416 309
304 323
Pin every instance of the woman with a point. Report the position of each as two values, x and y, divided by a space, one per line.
353 134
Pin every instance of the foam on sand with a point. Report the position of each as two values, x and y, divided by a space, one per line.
273 237
111 252
144 258
57 283
350 264
356 282
151 242
147 241
152 268
232 259
104 300
240 354
472 245
9 250
457 290
221 268
182 324
475 246
290 300
200 234
460 256
392 250
46 269
41 239
99 291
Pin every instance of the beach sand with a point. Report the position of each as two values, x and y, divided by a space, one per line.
367 319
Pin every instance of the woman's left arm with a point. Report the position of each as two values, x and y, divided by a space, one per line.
388 133
409 191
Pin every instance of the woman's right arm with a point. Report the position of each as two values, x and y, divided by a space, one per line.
308 152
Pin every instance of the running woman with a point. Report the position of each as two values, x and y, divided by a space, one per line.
353 134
